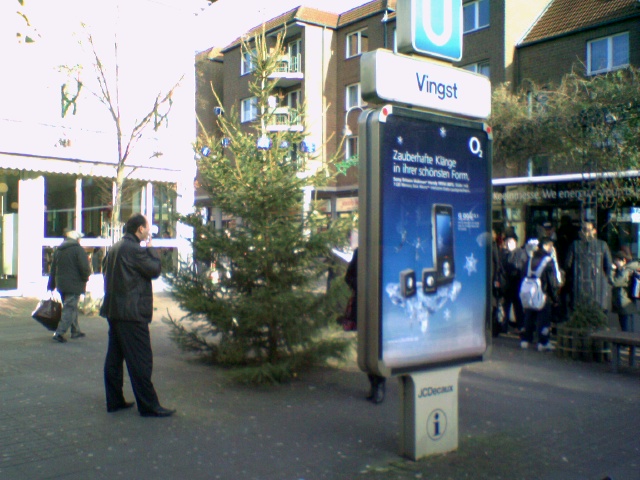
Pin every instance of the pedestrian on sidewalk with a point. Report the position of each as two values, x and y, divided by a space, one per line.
514 263
540 320
624 268
69 274
129 267
377 383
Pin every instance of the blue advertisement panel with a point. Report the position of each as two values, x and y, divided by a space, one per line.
434 239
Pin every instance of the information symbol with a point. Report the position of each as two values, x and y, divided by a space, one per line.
437 424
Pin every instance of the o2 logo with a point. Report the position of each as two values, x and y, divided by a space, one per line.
437 27
475 147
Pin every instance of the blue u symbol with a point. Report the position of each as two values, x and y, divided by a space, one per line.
438 39
437 27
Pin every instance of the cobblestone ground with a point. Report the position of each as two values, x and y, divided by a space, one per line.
523 415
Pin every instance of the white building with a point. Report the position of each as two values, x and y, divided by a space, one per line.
57 173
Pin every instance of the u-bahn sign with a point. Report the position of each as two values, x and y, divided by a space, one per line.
430 27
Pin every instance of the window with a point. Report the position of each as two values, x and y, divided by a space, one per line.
249 109
164 209
97 195
608 53
295 54
60 204
357 42
476 15
351 147
293 99
247 65
353 98
481 67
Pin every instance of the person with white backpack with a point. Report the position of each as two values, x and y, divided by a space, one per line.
538 293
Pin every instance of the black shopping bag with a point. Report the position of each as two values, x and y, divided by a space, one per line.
48 312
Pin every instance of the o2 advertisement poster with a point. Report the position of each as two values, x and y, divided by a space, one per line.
435 243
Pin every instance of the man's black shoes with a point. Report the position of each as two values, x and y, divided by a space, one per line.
59 338
122 406
78 335
158 412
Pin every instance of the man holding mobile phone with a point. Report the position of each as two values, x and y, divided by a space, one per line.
129 267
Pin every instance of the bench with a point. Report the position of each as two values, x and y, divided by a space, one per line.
617 340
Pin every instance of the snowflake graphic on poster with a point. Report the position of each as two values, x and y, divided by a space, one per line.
470 266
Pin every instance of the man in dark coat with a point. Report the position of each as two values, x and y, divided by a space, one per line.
128 270
69 274
589 267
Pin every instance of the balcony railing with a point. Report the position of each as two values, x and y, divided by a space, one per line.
289 64
288 71
285 119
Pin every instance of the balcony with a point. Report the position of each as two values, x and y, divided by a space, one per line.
288 71
285 119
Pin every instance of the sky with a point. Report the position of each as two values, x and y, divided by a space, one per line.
226 20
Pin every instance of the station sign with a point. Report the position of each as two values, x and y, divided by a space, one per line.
430 27
403 80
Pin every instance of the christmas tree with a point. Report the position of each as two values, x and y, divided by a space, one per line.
259 308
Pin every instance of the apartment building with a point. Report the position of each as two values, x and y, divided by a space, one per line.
507 40
591 36
322 69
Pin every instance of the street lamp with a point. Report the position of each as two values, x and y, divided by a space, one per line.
346 131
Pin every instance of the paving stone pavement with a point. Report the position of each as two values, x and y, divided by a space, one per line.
523 415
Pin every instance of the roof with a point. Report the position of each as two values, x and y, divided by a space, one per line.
366 10
318 17
562 17
302 14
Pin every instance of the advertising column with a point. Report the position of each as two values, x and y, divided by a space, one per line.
426 249
425 242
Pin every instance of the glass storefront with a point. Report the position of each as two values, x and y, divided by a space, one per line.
164 210
85 204
59 204
8 229
526 208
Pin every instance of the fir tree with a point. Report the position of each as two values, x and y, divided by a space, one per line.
262 313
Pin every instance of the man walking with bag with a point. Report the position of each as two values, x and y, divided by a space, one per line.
70 272
128 270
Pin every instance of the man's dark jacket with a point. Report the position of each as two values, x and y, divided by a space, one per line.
70 268
128 270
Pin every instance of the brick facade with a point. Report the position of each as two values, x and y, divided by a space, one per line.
560 55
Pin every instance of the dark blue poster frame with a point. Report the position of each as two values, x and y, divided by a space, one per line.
425 218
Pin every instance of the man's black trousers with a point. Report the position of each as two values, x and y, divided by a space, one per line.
130 342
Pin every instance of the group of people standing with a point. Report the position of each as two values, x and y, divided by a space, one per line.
582 271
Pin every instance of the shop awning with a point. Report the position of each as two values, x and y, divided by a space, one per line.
85 168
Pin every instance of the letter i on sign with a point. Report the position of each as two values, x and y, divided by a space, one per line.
437 27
